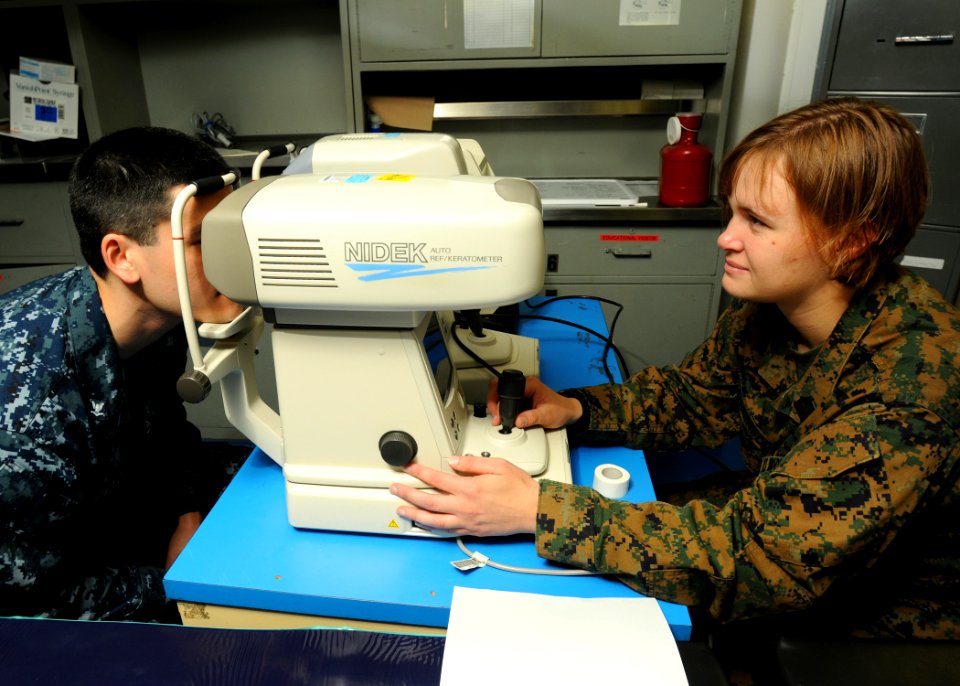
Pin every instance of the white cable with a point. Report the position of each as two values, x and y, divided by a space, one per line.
522 570
180 265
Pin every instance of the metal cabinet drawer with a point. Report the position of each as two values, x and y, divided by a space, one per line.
631 252
574 28
889 45
35 223
934 254
935 117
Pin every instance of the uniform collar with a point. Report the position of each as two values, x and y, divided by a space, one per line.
94 349
816 388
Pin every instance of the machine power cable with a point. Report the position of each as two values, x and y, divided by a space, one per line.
484 561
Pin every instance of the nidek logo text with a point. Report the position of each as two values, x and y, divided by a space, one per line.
370 252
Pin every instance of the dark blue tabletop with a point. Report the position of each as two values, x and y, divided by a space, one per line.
53 651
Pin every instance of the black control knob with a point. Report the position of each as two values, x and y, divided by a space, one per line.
193 386
510 387
398 448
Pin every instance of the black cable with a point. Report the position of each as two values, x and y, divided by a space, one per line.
489 321
606 365
710 457
608 340
473 355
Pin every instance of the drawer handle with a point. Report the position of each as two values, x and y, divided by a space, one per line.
12 222
930 39
620 252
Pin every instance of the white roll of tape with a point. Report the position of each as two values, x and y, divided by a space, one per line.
611 481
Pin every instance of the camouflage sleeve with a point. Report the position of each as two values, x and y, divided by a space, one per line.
827 508
44 564
694 403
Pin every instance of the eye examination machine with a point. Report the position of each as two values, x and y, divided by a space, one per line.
360 274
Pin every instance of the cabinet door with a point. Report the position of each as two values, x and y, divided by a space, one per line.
574 28
403 30
660 322
632 252
935 117
888 45
35 224
934 254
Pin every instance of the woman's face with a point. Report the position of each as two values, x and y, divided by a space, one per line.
770 256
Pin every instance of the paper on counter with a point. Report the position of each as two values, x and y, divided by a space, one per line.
501 637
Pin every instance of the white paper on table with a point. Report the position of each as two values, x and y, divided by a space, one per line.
500 637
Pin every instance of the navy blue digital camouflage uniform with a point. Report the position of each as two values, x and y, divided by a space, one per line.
95 458
852 516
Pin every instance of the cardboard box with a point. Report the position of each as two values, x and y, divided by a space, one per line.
403 112
44 109
48 71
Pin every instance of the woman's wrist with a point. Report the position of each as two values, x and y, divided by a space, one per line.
579 417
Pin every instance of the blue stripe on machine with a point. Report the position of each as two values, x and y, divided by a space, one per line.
402 271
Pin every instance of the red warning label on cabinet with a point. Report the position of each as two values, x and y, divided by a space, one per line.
630 237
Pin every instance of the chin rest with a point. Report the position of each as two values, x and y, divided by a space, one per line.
878 663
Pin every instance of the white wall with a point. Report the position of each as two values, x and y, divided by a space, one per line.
776 61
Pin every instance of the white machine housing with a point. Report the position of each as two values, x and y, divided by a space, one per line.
431 154
352 269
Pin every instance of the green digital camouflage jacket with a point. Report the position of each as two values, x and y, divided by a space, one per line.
854 509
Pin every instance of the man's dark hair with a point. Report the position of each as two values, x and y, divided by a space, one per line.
122 182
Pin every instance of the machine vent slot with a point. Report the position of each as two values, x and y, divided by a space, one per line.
296 262
351 137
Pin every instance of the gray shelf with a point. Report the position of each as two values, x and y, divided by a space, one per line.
562 108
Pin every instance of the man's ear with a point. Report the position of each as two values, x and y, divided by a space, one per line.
115 249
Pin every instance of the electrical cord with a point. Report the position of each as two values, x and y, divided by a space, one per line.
608 340
214 128
472 354
490 322
606 366
713 459
482 560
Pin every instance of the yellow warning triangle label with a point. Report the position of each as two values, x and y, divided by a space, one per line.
393 524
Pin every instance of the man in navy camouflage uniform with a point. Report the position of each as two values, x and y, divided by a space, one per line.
97 495
837 369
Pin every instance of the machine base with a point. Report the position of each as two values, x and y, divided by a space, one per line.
374 510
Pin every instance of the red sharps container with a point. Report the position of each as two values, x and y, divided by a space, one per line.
684 163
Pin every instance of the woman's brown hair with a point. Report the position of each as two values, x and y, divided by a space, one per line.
859 174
